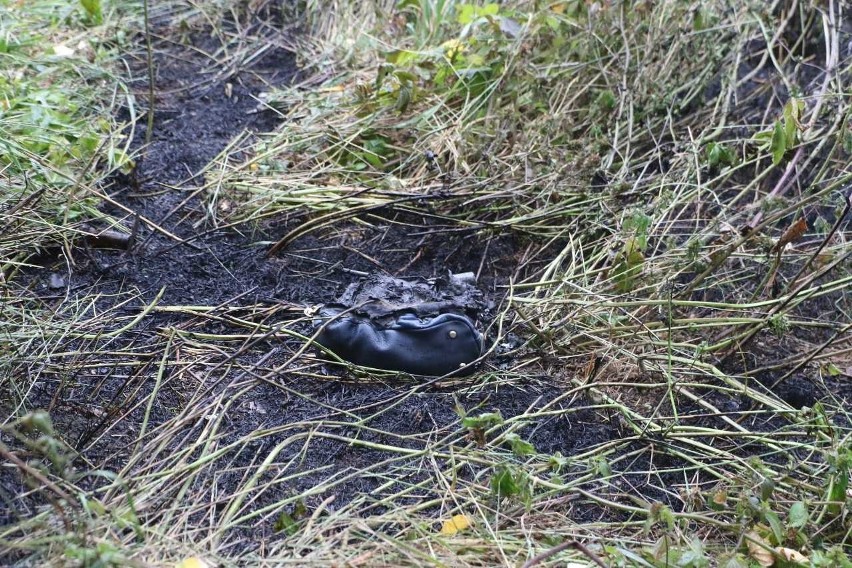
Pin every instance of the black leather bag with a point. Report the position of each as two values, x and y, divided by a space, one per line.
434 346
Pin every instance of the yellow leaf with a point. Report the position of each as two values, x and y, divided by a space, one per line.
759 549
452 48
62 50
558 8
192 562
791 555
456 524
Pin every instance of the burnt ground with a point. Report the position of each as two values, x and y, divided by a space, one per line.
99 407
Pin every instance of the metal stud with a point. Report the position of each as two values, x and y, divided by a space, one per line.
452 334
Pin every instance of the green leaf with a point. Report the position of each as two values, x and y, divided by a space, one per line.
694 557
831 369
700 19
791 122
40 421
557 461
289 522
719 154
767 486
628 265
838 485
834 557
119 160
601 466
405 77
400 57
468 13
778 145
483 420
775 524
664 551
667 517
286 523
798 515
503 483
93 506
491 9
520 447
763 138
403 98
732 560
638 224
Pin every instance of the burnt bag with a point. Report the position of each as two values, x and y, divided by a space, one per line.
419 328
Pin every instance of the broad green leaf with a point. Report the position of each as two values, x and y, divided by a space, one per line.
763 138
778 145
400 57
468 13
520 447
491 9
503 483
837 490
403 98
719 154
664 550
798 515
694 557
700 19
286 523
830 369
601 466
775 524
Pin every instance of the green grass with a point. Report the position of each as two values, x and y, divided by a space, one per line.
650 158
58 135
59 83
